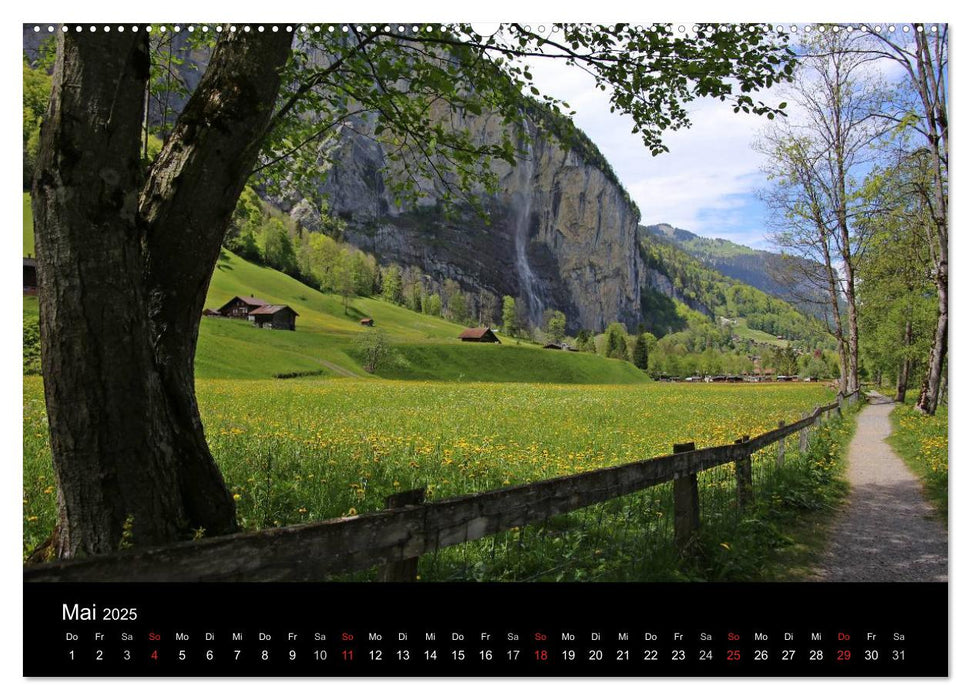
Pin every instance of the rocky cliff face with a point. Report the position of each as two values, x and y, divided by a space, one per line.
561 233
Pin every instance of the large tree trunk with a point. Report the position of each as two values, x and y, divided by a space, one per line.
930 388
933 96
832 288
852 312
186 206
853 347
903 373
942 391
849 269
109 451
123 279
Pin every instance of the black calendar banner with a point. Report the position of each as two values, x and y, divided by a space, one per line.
656 630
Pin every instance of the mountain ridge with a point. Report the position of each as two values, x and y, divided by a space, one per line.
676 274
765 270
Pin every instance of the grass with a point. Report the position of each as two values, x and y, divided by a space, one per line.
235 349
31 343
508 363
742 330
789 527
28 227
921 441
304 450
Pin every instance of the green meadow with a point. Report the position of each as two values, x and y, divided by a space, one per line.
453 418
305 450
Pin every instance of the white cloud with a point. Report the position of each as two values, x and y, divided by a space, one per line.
705 183
708 180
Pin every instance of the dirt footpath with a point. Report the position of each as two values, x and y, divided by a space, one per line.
886 531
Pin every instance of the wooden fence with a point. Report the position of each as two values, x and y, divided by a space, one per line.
394 538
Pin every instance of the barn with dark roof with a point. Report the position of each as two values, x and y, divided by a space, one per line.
277 316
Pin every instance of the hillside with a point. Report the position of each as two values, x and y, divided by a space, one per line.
426 348
678 280
762 269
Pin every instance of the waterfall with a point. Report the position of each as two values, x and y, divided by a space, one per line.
528 283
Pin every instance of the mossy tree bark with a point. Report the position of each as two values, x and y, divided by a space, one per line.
124 263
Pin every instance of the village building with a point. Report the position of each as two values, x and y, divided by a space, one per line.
276 316
260 312
369 322
241 307
478 335
30 275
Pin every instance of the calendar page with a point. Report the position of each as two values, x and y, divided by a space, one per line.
498 350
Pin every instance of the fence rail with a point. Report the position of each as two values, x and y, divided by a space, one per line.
394 538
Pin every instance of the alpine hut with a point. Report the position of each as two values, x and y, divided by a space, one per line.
241 307
276 316
478 335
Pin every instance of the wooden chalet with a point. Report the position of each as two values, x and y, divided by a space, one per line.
276 316
478 335
369 322
30 275
241 307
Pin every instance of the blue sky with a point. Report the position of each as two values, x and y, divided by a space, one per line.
706 183
709 180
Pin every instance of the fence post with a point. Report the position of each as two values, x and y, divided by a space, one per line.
687 515
839 405
780 459
404 569
804 437
743 477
